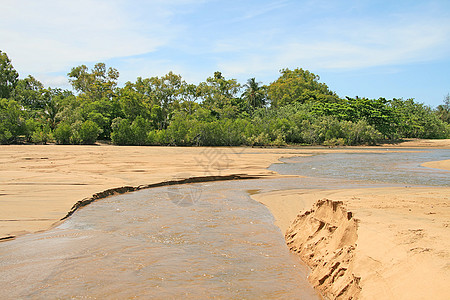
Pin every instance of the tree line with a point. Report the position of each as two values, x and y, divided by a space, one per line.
294 109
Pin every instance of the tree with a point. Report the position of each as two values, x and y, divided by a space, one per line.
8 76
254 95
291 87
12 121
122 134
63 134
97 84
30 93
89 132
443 110
220 95
165 93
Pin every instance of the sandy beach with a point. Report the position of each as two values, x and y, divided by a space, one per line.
397 239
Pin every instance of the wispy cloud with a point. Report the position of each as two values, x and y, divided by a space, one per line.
258 10
240 38
46 36
342 44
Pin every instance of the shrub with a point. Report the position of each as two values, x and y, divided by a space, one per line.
89 132
122 134
42 135
63 134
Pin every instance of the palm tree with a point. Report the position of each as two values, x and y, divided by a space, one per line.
254 94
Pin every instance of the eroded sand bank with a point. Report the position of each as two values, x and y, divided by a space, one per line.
403 236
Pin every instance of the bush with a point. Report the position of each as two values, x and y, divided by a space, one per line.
42 135
63 134
12 123
122 134
89 132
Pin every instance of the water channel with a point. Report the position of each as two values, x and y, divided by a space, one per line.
201 240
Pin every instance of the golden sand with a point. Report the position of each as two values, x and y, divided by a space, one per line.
402 237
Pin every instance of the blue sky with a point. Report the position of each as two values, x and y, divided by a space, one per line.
358 48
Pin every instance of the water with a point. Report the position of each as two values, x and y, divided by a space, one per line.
387 167
215 243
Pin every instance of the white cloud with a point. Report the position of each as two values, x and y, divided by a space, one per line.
50 36
344 44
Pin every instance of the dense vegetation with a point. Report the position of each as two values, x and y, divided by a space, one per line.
294 109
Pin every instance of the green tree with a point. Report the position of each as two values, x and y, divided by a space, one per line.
165 93
8 76
95 84
140 128
443 110
30 93
294 86
12 121
63 134
89 132
254 94
122 134
132 104
220 96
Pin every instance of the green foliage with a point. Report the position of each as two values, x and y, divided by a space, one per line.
42 135
443 110
97 84
255 95
63 134
122 134
217 112
298 86
89 131
30 93
140 128
12 121
416 120
8 76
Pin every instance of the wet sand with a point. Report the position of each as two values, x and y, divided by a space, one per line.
402 236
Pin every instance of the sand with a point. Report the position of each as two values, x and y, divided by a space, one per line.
395 245
40 183
403 236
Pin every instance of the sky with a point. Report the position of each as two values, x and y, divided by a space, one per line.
384 48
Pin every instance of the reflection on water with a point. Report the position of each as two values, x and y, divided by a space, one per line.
144 244
388 167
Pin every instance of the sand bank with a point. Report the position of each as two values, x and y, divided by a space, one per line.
402 245
442 164
418 143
